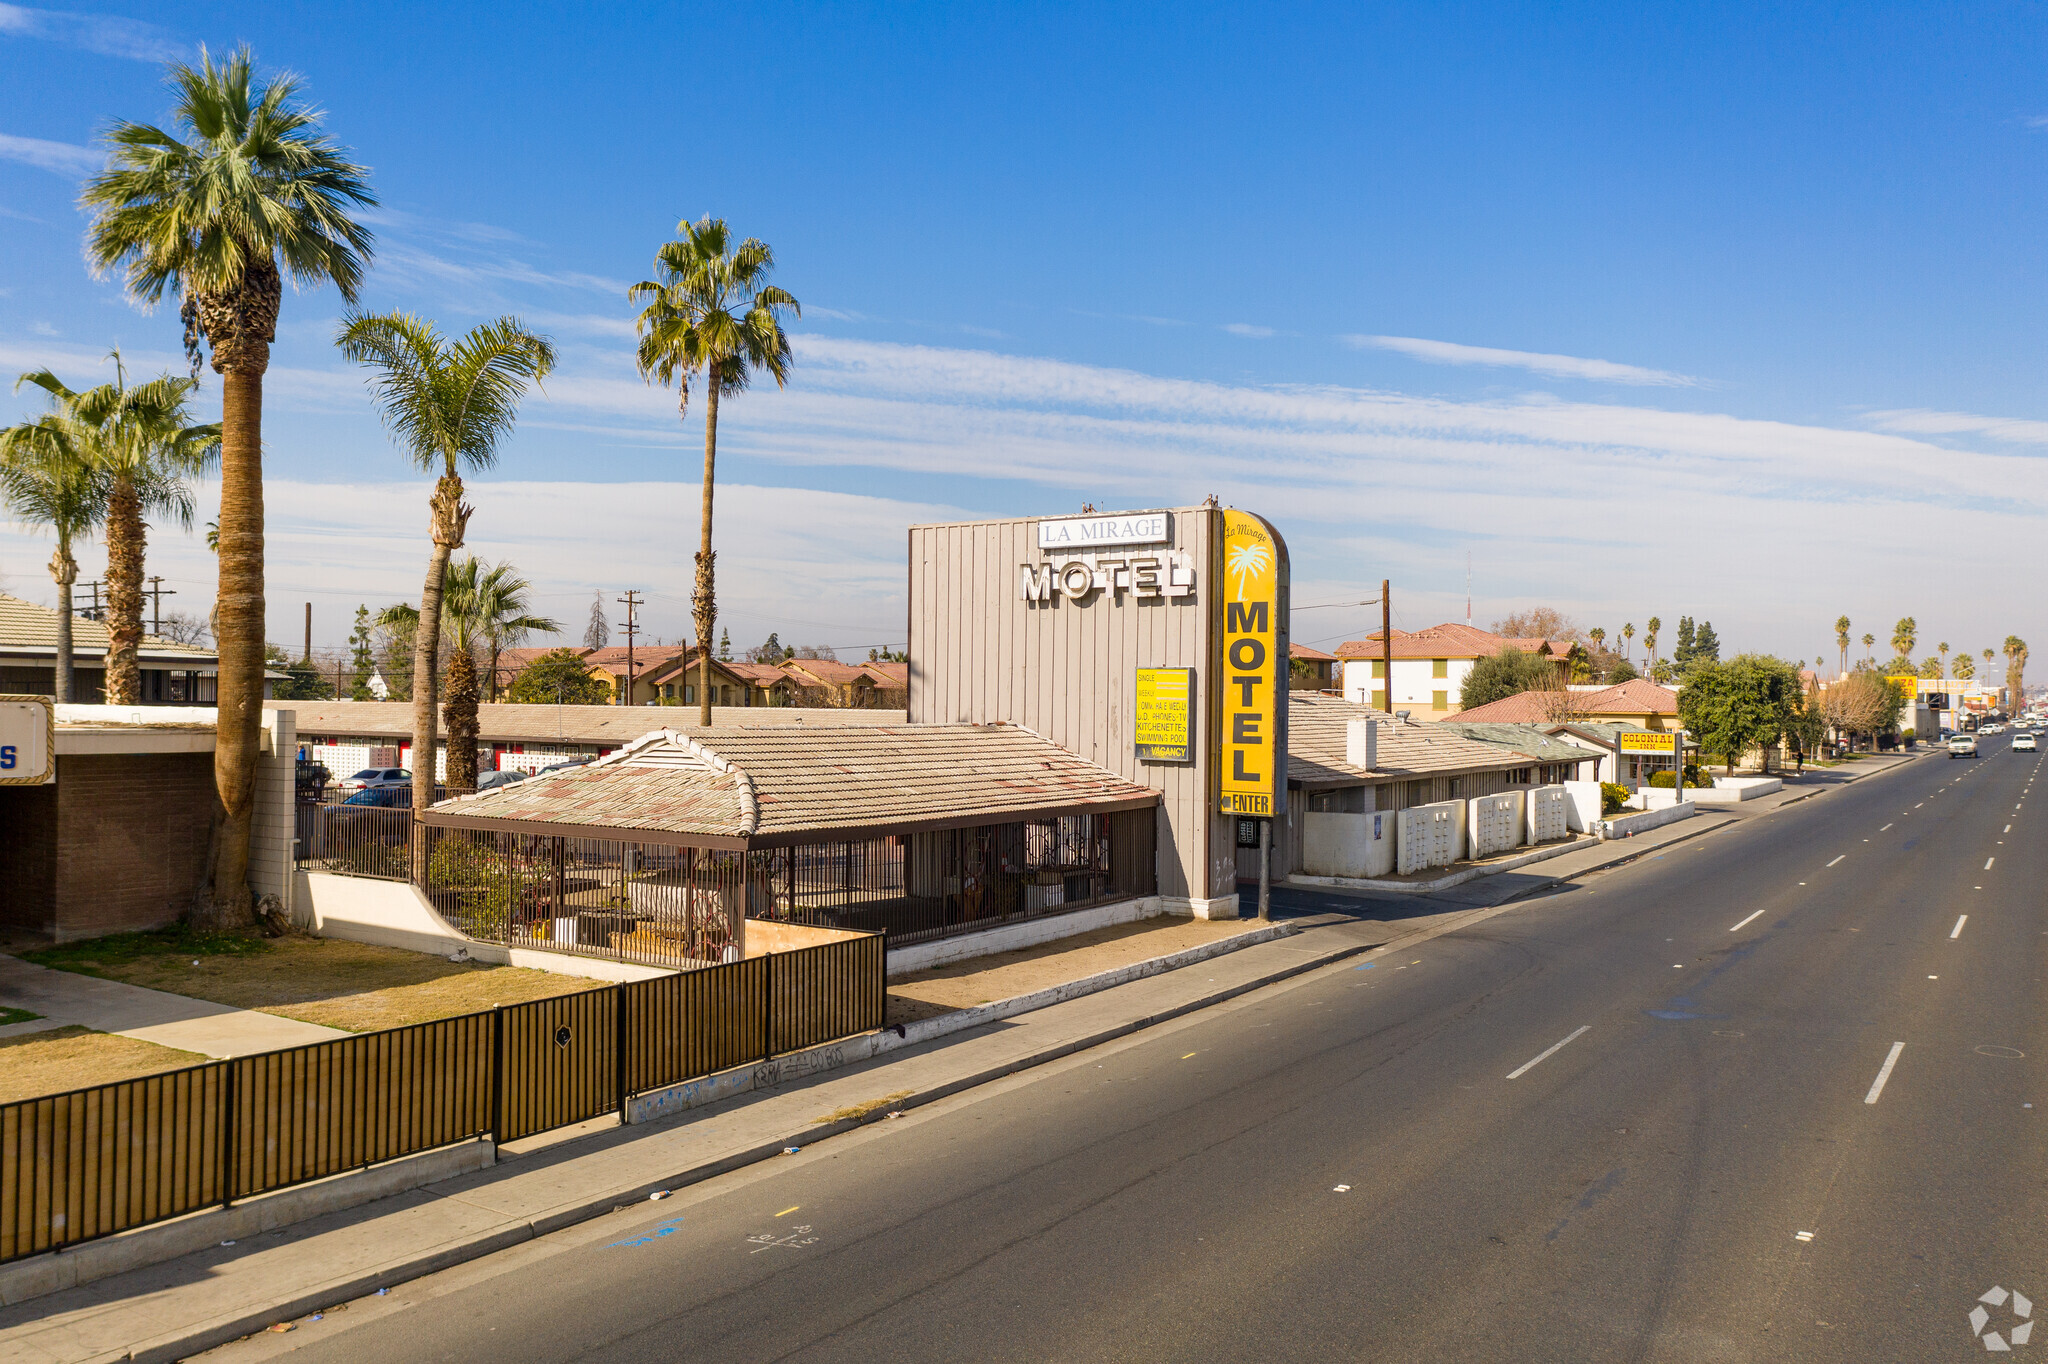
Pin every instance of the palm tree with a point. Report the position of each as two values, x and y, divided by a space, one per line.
49 479
1966 666
448 406
505 605
140 440
245 188
1650 629
1842 641
1868 641
2015 670
711 307
1628 635
1944 657
1904 635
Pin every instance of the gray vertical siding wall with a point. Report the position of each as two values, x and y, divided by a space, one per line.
980 653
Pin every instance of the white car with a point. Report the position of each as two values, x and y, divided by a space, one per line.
1963 746
2024 743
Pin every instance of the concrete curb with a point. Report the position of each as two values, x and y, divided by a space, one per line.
193 1339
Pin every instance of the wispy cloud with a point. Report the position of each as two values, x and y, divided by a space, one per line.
105 34
1248 329
1923 422
63 158
1558 366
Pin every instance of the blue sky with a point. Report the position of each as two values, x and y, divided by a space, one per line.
1731 312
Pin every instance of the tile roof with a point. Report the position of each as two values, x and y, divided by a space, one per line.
1449 640
1316 740
506 722
31 629
1523 708
760 674
824 670
767 786
1638 695
888 673
1303 651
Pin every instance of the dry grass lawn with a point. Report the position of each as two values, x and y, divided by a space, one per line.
64 1059
1005 975
348 985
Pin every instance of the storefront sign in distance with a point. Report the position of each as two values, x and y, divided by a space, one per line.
1164 715
1635 742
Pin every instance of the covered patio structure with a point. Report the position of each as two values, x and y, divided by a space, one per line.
688 849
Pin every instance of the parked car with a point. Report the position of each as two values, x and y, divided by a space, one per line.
565 765
383 796
489 781
372 776
1963 746
2024 743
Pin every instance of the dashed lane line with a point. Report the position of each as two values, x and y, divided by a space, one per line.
1746 922
1884 1073
1838 859
1957 931
1548 1052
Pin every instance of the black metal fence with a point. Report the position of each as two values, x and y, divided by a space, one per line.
78 1166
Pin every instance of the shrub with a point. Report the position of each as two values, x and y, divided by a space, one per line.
1613 797
1693 777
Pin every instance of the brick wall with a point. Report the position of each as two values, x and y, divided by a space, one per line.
130 841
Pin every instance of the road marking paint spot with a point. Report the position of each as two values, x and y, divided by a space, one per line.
2006 830
1342 1188
1802 883
1190 1056
1988 861
1548 1052
1884 1073
1751 919
1918 806
1837 859
1802 1236
1885 827
1957 931
788 1210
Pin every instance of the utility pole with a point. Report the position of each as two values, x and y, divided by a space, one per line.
307 657
93 612
157 593
632 604
1387 637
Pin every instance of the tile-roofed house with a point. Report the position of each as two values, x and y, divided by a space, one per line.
769 685
823 682
1639 701
1311 669
172 673
1430 666
748 787
675 682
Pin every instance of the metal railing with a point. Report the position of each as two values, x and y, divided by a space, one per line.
78 1166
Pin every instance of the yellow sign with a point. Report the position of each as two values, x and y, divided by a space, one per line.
1635 742
1252 686
1908 685
1165 715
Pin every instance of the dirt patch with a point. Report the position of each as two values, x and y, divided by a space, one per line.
1005 975
349 985
64 1059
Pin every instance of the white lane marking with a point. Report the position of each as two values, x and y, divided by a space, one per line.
1837 859
1751 919
2006 830
1988 861
1884 1073
1918 806
1885 827
1548 1052
1957 931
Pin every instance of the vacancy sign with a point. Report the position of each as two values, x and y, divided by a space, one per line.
28 741
1252 692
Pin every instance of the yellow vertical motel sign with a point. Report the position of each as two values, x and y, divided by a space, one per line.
1252 684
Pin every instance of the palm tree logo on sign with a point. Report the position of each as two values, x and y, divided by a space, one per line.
1246 562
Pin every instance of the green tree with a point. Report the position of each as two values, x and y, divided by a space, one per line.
301 682
1628 636
710 307
48 478
1809 726
448 406
362 662
242 188
1623 671
1681 652
725 646
2015 671
557 677
1931 667
1868 640
1904 636
1706 645
1842 641
1507 673
143 440
1943 647
1744 703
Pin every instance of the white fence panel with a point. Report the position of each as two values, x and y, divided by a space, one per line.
1549 814
1496 823
1428 837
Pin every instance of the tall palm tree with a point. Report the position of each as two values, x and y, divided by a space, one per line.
48 478
241 189
1966 666
505 606
711 308
449 406
1944 657
1842 641
1904 636
1868 641
1628 635
2015 670
140 439
1650 629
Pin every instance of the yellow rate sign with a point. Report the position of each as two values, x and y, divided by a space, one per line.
1636 742
1164 715
1252 690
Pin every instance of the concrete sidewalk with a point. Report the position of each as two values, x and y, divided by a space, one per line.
197 1025
170 1310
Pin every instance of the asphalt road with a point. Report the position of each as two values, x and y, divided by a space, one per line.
1765 1096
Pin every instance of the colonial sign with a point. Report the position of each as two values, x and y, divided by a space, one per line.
1094 532
1164 715
1635 742
1252 686
28 741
